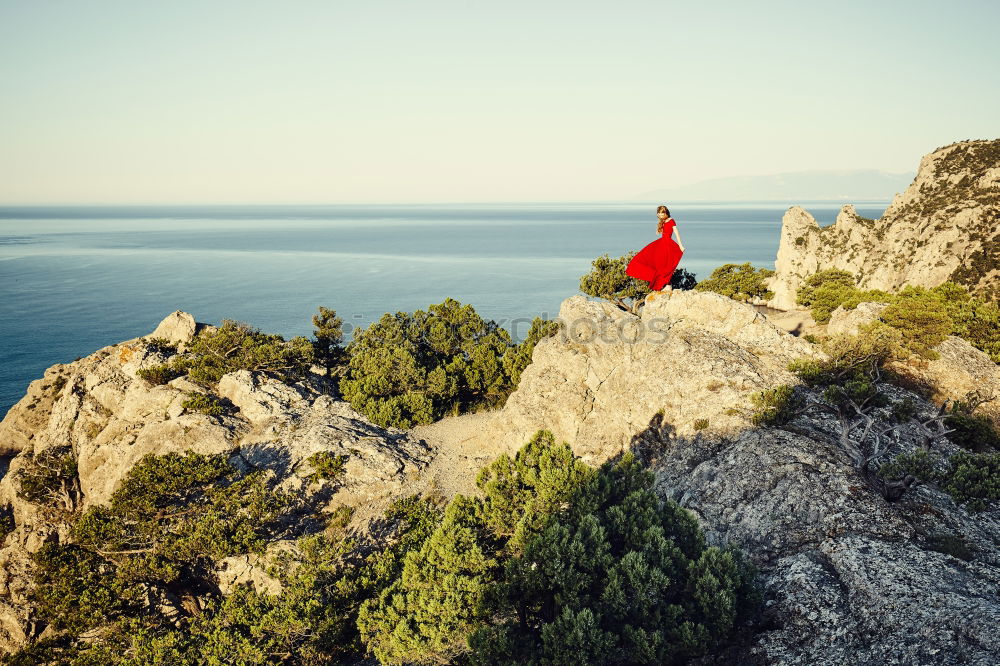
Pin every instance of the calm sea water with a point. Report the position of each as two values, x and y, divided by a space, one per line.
74 279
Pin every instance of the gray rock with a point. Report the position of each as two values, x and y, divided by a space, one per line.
847 322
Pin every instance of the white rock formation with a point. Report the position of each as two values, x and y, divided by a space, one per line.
946 225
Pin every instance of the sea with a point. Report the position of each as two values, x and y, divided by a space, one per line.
74 279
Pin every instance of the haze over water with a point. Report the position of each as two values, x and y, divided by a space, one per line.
75 279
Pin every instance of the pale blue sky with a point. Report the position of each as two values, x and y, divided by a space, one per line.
437 101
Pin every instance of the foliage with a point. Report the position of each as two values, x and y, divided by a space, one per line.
7 524
520 494
329 334
607 280
238 346
157 375
949 544
203 404
161 345
923 316
50 478
408 369
904 410
682 279
328 466
175 513
701 424
974 432
741 282
435 600
415 599
970 478
851 357
775 406
824 291
619 576
76 589
426 614
921 320
973 479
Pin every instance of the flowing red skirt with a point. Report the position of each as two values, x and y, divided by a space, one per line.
656 262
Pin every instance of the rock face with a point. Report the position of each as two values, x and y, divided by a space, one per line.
600 381
946 225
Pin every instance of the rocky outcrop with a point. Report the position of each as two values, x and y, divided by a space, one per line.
111 418
694 356
849 577
945 226
960 370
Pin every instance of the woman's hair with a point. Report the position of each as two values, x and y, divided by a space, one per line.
659 223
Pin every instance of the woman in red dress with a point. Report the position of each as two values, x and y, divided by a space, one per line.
657 262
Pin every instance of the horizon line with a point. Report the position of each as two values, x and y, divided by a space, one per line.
439 203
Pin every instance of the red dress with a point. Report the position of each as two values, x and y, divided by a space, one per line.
657 262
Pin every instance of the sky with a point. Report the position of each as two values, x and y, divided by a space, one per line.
337 101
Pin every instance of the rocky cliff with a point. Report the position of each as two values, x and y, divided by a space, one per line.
945 226
849 576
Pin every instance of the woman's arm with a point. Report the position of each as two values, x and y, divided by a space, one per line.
678 234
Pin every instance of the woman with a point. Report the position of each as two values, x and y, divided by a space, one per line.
657 262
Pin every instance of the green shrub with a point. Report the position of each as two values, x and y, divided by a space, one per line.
203 404
408 369
920 464
972 479
922 322
825 291
619 576
157 375
701 424
161 344
429 610
851 357
175 513
775 406
949 544
904 410
50 478
238 346
327 466
924 316
75 589
741 282
7 524
607 280
974 432
520 494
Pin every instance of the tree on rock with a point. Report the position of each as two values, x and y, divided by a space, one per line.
607 280
329 334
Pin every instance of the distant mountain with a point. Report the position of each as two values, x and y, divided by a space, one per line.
855 185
